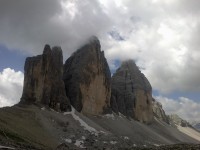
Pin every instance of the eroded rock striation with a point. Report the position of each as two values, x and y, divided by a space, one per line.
158 111
87 79
43 80
131 93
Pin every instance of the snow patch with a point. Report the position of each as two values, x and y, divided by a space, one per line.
126 138
83 138
156 145
110 116
67 113
121 115
105 142
103 132
83 123
68 140
79 143
52 109
5 147
113 142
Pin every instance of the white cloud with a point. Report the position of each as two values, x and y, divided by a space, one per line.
11 83
163 40
162 35
187 109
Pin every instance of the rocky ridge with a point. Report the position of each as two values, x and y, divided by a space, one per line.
175 120
158 111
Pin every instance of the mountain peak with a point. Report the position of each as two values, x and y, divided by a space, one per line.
131 93
43 80
87 79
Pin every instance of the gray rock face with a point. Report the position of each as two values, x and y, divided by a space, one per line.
131 93
158 111
175 120
87 79
43 80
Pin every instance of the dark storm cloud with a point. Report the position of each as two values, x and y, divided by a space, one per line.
22 22
28 25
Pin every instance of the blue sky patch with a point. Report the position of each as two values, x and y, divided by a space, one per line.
11 59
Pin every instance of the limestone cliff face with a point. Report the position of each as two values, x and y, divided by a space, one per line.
43 80
158 111
131 93
175 120
87 79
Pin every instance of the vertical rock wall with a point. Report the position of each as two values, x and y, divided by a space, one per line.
43 80
87 79
131 93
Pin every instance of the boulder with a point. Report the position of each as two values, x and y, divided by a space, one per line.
43 82
131 93
87 79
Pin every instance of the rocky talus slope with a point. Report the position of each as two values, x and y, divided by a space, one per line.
43 82
131 93
32 127
87 79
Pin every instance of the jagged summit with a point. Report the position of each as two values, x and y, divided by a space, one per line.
140 81
47 49
87 79
131 93
43 80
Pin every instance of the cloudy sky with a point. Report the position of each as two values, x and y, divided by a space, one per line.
162 36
